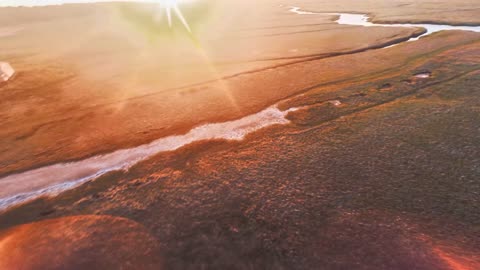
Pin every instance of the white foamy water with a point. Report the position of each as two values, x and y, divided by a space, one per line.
6 71
363 20
424 75
51 180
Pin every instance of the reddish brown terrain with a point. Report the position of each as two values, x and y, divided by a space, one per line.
377 168
66 105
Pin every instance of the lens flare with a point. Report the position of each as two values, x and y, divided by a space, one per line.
172 5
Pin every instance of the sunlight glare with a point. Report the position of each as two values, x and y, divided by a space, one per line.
170 5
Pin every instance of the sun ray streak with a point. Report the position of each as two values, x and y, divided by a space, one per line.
169 16
180 16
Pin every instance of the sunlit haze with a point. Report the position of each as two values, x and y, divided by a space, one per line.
32 3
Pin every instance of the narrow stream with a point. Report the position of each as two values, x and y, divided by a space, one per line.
363 20
53 179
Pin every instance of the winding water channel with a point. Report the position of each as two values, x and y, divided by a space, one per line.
364 20
53 179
